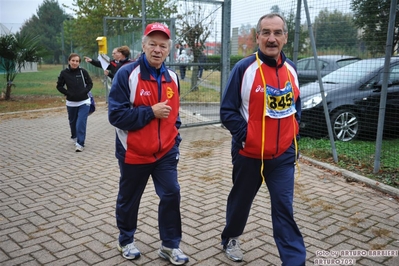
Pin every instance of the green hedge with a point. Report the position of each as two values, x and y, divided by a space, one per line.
233 60
217 59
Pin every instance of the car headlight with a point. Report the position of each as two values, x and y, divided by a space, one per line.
312 101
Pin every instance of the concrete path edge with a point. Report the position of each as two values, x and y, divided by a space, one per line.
350 176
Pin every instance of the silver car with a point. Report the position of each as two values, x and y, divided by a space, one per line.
306 67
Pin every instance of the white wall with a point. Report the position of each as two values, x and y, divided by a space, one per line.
29 67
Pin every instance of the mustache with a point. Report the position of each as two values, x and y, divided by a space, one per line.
271 45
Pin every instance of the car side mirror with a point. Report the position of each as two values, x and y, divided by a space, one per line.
394 82
378 85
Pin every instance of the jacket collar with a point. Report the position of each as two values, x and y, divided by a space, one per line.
271 62
73 69
146 70
124 60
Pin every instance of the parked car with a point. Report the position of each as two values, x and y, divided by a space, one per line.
353 99
307 71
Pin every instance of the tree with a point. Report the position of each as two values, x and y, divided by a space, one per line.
47 24
247 39
17 50
334 30
372 17
194 27
88 23
290 21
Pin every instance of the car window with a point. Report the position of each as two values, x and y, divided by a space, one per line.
370 85
301 64
345 62
354 72
394 75
312 64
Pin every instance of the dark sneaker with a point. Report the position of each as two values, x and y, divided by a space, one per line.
233 250
174 255
129 252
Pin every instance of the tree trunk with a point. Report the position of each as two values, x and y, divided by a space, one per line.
8 91
194 78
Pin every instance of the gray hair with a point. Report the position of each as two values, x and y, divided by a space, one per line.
271 15
144 39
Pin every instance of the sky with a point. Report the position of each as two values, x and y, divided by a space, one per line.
13 13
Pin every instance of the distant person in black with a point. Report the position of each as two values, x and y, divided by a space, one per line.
75 83
112 64
121 57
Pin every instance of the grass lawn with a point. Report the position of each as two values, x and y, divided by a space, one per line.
36 90
357 156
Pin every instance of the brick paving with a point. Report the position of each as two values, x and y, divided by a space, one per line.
57 206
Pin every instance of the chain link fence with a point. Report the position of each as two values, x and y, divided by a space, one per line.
200 88
345 52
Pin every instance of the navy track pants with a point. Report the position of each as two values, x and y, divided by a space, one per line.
279 177
133 180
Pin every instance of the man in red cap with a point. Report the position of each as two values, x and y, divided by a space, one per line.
144 108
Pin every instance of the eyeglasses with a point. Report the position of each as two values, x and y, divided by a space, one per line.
267 33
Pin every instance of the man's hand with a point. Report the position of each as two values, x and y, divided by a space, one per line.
87 59
161 110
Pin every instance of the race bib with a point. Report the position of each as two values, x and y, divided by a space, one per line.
280 103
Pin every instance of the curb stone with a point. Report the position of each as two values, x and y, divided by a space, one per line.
350 176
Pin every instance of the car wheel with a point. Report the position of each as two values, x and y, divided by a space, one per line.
345 125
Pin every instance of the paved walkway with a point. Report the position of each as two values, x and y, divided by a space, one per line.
57 206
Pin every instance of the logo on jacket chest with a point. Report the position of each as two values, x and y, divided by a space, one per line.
145 93
169 92
259 88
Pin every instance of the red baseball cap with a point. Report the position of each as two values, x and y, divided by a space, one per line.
157 27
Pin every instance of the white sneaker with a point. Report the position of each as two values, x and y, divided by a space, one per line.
129 252
233 250
174 255
78 148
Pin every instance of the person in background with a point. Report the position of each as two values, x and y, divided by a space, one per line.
124 58
120 57
144 108
261 108
177 51
112 64
183 59
78 83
